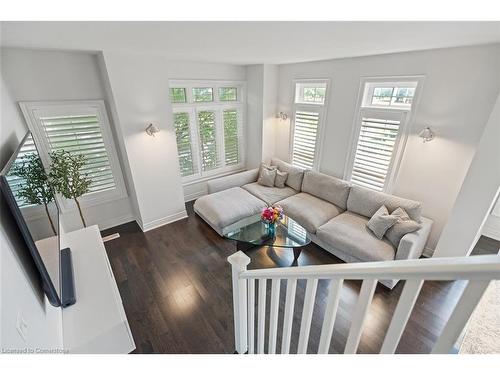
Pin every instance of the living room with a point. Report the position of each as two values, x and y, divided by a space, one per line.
223 158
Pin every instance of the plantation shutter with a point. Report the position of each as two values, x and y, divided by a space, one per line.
208 140
231 146
16 182
304 138
81 134
374 151
184 143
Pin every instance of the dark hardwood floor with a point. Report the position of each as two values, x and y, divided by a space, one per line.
175 284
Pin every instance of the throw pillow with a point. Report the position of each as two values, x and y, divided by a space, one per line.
381 221
280 179
403 225
267 177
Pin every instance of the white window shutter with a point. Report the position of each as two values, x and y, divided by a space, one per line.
375 151
231 138
82 134
304 138
184 143
207 127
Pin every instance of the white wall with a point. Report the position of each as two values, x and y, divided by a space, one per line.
139 85
269 110
20 291
460 88
477 195
255 104
49 75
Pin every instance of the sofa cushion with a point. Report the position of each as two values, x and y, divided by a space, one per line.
326 187
270 195
309 211
227 207
381 221
366 202
348 233
295 174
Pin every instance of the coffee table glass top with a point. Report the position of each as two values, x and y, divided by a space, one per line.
253 231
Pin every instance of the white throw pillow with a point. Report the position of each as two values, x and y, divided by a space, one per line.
381 221
267 177
402 226
280 179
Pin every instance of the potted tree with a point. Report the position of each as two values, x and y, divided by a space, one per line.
67 176
36 188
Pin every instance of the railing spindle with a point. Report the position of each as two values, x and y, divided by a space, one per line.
273 318
261 319
251 316
460 315
305 325
291 287
330 314
401 315
239 262
360 314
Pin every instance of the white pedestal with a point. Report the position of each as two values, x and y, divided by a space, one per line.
96 323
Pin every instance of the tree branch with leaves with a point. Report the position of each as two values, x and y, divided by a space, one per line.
35 188
67 176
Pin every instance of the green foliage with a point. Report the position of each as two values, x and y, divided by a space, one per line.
67 177
35 188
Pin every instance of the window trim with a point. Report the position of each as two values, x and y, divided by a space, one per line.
322 109
218 106
408 119
89 199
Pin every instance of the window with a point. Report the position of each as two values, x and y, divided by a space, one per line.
395 94
178 95
380 132
203 94
79 128
309 112
208 128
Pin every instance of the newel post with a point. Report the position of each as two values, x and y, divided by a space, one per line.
239 262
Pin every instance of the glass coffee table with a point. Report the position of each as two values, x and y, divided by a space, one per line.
252 232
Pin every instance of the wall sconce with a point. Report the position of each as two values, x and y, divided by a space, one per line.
282 116
426 134
152 129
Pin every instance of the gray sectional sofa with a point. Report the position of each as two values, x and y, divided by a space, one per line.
333 212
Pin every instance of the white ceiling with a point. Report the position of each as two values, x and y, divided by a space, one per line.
250 42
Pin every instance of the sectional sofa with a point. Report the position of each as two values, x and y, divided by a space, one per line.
333 211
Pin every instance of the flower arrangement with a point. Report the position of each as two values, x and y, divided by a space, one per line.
270 215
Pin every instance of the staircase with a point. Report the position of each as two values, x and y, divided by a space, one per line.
477 270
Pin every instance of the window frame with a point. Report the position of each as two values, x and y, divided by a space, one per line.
30 109
218 106
322 110
407 116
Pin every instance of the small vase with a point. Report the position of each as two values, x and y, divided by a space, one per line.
271 229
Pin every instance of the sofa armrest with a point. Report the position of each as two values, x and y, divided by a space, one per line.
233 180
412 244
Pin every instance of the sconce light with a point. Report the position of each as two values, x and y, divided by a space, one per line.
152 129
282 116
427 134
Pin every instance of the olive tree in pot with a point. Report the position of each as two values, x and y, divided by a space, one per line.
35 188
67 176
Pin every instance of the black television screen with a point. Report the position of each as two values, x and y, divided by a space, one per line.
34 209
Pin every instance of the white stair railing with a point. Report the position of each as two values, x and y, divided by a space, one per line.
478 270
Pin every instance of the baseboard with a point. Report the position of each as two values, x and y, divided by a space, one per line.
428 252
163 221
195 195
115 221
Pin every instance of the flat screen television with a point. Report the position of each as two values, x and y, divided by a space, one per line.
34 209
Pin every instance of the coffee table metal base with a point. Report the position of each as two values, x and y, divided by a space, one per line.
245 246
